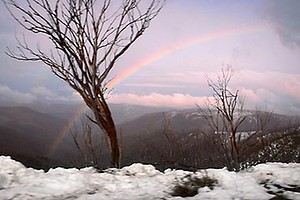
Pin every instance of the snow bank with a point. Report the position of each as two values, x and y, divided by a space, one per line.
140 181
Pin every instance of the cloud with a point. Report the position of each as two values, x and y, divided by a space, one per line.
258 88
9 95
43 92
153 85
279 91
156 99
284 16
250 95
35 94
283 84
260 98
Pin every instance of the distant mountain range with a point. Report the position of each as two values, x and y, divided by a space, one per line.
67 111
191 120
27 132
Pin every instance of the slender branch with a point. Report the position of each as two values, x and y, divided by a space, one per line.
88 38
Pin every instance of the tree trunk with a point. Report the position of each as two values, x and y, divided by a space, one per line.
110 132
234 148
114 147
105 122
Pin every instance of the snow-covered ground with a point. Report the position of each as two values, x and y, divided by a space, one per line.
139 181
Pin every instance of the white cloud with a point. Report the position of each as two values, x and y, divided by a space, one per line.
36 93
43 92
7 94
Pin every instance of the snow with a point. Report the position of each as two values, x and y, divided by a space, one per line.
140 181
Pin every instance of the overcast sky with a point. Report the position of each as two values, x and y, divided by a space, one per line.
188 40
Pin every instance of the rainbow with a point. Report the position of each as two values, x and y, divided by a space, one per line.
69 124
151 58
177 46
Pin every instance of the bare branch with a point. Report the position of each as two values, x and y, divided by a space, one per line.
88 38
225 115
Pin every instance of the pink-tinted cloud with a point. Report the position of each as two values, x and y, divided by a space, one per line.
156 99
277 82
250 95
258 89
152 85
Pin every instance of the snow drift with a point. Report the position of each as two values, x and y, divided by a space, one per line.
138 181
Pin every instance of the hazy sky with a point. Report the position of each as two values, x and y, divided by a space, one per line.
189 39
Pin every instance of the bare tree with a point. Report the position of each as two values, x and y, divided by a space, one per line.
89 37
88 150
262 120
225 114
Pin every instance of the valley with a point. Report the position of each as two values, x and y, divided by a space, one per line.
42 136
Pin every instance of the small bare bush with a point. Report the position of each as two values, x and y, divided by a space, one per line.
188 185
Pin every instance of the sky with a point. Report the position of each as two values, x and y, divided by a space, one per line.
187 41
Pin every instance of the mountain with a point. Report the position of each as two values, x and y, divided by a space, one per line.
121 112
192 120
28 133
126 112
183 139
